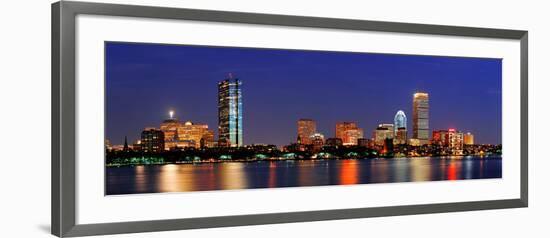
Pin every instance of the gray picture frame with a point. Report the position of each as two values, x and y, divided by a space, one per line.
64 107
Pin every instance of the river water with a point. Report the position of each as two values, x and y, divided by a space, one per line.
274 174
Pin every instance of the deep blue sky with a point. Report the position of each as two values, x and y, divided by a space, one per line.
144 81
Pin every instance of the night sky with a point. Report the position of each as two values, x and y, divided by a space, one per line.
145 81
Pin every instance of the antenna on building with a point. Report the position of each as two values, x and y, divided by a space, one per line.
230 75
171 112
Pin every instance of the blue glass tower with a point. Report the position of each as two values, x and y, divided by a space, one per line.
400 128
400 120
230 112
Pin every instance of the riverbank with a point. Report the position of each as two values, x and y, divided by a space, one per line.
156 161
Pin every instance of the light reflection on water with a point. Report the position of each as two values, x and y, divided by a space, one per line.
141 178
232 176
273 174
349 173
421 170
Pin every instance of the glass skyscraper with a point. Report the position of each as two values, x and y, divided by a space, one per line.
421 118
230 112
400 129
400 120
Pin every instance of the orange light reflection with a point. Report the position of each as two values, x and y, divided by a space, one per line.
349 172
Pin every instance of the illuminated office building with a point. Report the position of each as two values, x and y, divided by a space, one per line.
190 135
421 111
152 140
306 128
451 139
207 139
317 141
348 132
439 137
230 114
400 136
383 132
169 128
400 128
455 141
400 120
468 138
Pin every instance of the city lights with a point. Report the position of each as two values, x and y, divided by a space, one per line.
203 117
197 141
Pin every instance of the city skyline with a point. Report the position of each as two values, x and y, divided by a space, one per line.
372 112
180 134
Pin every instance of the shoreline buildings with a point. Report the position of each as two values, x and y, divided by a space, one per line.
383 132
306 129
183 135
317 141
468 139
348 132
230 113
387 138
170 129
152 140
451 139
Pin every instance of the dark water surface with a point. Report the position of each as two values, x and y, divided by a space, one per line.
274 174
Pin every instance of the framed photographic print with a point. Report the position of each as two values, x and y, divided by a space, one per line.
167 119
